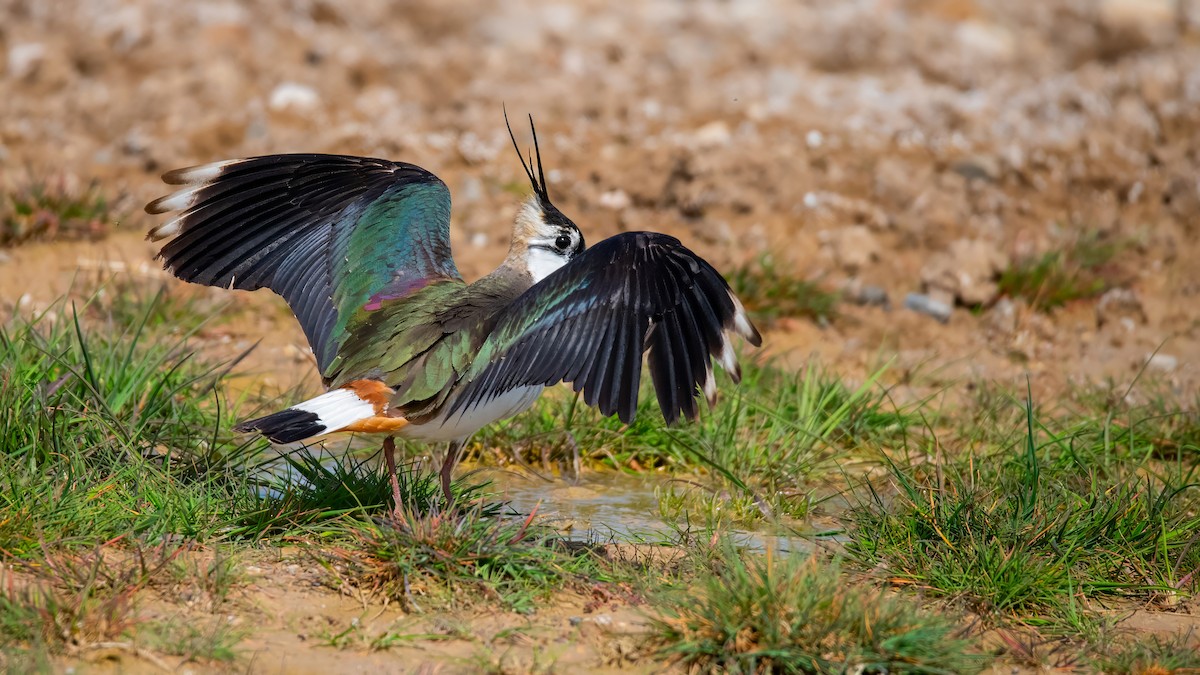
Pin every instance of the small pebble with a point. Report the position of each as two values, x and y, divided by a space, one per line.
924 304
871 296
1163 362
294 96
614 200
24 59
713 134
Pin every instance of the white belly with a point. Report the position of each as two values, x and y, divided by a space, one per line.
464 423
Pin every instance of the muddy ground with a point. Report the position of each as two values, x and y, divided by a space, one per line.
904 145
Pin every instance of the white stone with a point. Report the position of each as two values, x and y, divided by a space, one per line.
1003 316
616 200
989 41
1121 13
1149 21
1120 305
713 134
853 247
24 59
1163 362
966 271
294 96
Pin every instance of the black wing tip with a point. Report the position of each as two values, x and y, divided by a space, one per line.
287 426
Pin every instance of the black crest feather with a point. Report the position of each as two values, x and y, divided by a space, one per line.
538 180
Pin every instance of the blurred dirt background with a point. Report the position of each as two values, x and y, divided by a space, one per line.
878 147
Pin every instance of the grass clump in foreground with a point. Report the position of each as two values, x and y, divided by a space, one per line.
431 557
67 603
794 613
1032 531
107 435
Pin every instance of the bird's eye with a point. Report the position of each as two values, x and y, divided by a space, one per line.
563 242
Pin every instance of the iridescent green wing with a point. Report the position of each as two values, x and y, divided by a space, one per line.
331 234
407 343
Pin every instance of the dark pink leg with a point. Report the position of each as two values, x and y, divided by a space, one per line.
448 469
389 456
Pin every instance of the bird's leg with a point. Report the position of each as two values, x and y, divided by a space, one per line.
448 468
389 456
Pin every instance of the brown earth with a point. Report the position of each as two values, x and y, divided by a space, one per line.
855 143
891 143
290 615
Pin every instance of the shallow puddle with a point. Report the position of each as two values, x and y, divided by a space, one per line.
606 506
599 506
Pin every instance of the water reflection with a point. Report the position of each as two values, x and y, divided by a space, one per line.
599 507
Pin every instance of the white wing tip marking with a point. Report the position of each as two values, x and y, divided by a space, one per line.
167 229
710 387
196 178
741 322
728 359
194 175
176 201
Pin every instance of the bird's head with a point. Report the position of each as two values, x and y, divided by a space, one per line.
542 236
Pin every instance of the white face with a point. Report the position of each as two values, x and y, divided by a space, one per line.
541 263
549 244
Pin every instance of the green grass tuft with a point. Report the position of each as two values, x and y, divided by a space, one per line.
434 555
769 294
67 602
1084 270
1024 531
1150 655
309 492
797 614
106 435
53 209
211 639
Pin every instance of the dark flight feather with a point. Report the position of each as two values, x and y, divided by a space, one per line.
589 323
327 232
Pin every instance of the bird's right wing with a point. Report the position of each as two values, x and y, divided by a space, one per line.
589 323
332 234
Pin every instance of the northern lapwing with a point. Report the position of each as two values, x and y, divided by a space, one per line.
360 250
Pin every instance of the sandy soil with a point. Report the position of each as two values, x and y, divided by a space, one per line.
293 617
910 145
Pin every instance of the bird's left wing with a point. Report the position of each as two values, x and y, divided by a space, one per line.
332 234
589 323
